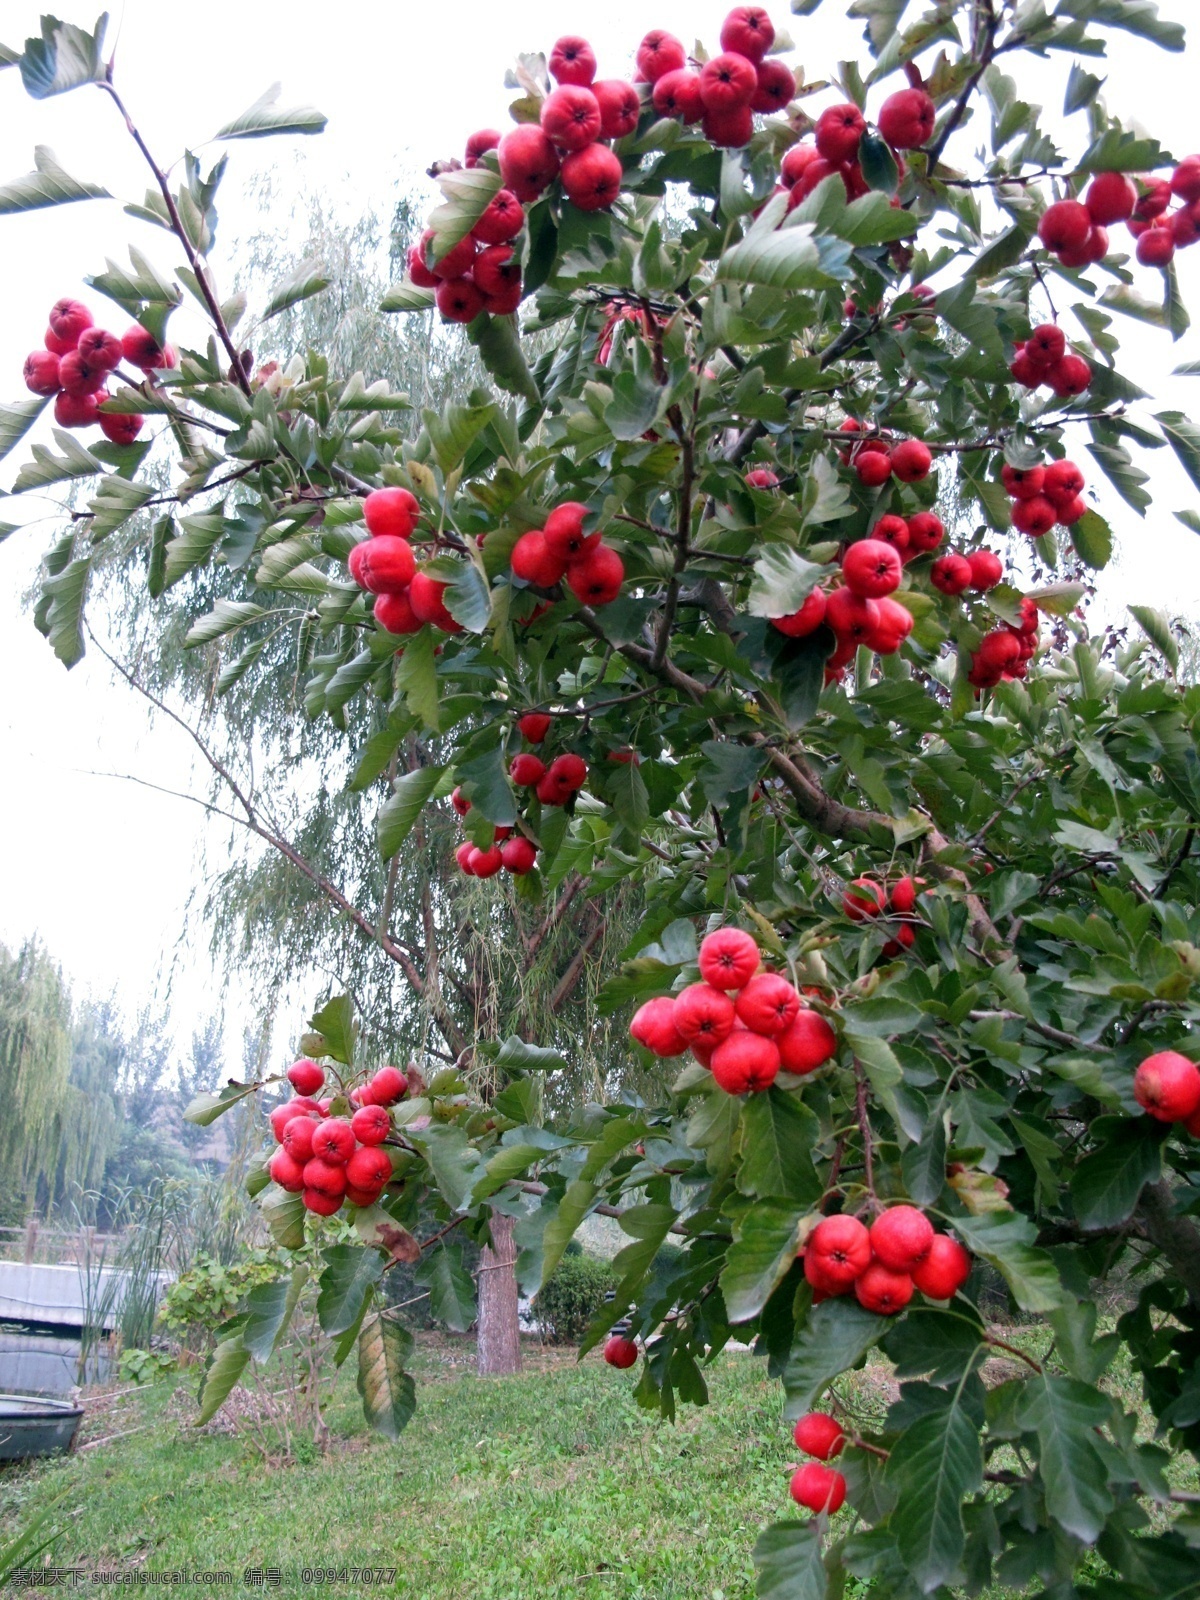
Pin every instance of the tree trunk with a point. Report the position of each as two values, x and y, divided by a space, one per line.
499 1345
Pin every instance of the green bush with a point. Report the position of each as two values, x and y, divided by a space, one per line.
572 1297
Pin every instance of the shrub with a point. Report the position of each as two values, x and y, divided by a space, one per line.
573 1295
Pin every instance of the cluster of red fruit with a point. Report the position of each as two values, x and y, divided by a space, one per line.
865 899
554 785
326 1159
1044 496
814 1487
875 459
1076 231
481 272
885 1263
1167 1086
1006 652
745 1041
861 610
1043 358
593 570
905 120
384 565
979 570
78 361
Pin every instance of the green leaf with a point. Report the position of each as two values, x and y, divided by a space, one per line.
1157 629
206 1108
454 432
883 1017
194 544
469 192
498 341
229 1361
47 185
788 259
1082 89
225 617
265 117
416 678
351 1271
403 806
765 1240
451 1290
517 1055
408 296
66 592
389 1395
1183 436
1063 1413
284 1216
782 582
468 599
787 1555
924 1164
1135 16
47 468
484 780
728 769
872 219
1106 1184
455 1164
575 1204
1118 151
336 1025
878 164
834 1337
65 57
626 791
778 1134
1006 1240
934 1465
16 421
307 280
269 1308
1092 538
634 407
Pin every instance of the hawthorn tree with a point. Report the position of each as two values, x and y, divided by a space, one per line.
747 361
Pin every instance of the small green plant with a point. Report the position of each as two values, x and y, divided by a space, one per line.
143 1366
208 1293
572 1296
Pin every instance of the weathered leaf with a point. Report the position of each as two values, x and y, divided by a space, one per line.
47 185
389 1395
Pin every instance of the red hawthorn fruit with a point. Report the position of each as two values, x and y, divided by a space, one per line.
1023 483
775 87
677 94
1064 225
286 1172
893 530
895 625
1026 371
463 856
388 1085
1046 345
1154 201
382 565
902 898
528 162
745 1063
591 178
394 614
620 107
326 1177
748 31
871 568
1094 248
460 802
479 144
458 300
998 653
418 272
862 899
882 1290
925 532
1185 180
371 1124
839 132
839 1249
817 1434
814 173
761 478
368 1168
78 410
305 1076
1034 517
852 616
571 117
485 863
496 269
425 596
141 349
1192 1124
78 377
808 1043
659 52
68 319
796 163
572 61
951 574
906 119
1069 377
568 772
534 726
818 1488
856 184
809 617
41 372
527 770
333 1141
904 940
505 301
502 221
768 1004
1063 482
1071 512
456 263
901 1237
874 467
1030 620
597 579
1167 1085
1183 228
653 1025
297 1137
1111 197
391 513
728 958
987 569
100 349
323 1204
362 1197
120 427
564 533
620 1352
944 1270
728 130
519 855
280 1118
704 1014
1156 247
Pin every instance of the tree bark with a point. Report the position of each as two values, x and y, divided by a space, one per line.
499 1342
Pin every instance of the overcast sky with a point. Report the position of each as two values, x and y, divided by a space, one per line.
102 868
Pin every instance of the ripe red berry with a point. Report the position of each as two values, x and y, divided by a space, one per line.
382 565
839 132
906 119
68 319
863 898
324 1205
944 1270
484 863
459 300
728 958
78 376
1156 247
883 1290
1111 197
591 178
425 595
1167 1085
1046 345
659 52
394 614
762 478
368 1168
333 1141
527 770
1023 483
534 726
677 94
818 1488
748 31
528 163
479 144
893 530
871 568
620 107
653 1025
326 1177
838 1250
141 349
767 1004
951 574
519 855
78 410
987 569
795 164
502 221
597 579
371 1124
775 87
1063 482
387 1086
392 512
571 117
620 1352
568 772
286 1172
1026 371
901 1237
852 617
926 531
874 467
418 270
808 1043
1034 517
564 532
704 1013
728 130
572 61
1185 180
1064 225
895 625
727 82
41 372
745 1063
306 1077
534 563
809 617
903 896
120 427
1069 377
817 1434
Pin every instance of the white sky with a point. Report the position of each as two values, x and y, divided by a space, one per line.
100 868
